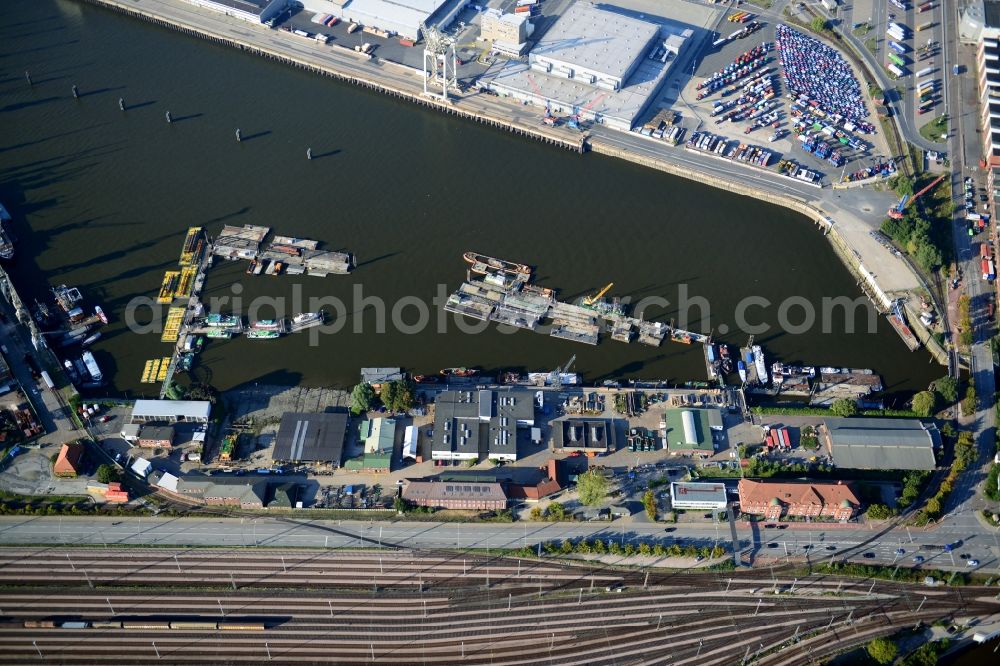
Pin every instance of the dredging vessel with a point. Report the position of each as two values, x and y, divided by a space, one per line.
486 265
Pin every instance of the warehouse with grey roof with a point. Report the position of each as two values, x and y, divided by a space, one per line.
872 443
599 64
471 424
311 437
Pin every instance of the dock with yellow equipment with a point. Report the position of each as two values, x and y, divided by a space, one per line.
164 366
168 287
192 248
150 371
172 327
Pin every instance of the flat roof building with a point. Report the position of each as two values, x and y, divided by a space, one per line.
508 33
600 64
171 411
698 496
472 424
481 496
311 437
398 17
151 436
863 443
255 11
586 435
379 376
225 491
689 430
774 499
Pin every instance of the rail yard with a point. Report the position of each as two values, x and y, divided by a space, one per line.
247 606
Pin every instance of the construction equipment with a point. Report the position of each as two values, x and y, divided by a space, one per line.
590 300
896 212
549 119
574 120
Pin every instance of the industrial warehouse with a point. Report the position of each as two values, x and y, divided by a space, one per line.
610 80
402 18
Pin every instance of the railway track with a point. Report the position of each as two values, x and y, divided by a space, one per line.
321 607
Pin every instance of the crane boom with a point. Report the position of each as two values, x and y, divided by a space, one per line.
896 212
590 300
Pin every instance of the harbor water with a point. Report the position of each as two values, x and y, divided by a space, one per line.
102 199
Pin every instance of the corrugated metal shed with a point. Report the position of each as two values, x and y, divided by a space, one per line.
881 443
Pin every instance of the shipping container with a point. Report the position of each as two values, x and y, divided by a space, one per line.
896 60
984 250
526 3
924 26
924 72
522 10
897 72
926 7
406 42
897 47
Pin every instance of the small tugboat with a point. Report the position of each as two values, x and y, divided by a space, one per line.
91 339
266 325
222 321
458 372
425 379
92 368
258 334
100 314
223 333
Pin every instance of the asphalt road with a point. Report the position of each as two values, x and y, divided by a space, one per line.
794 541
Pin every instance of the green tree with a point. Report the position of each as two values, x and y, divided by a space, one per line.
924 403
901 184
566 547
362 397
882 650
557 511
107 473
592 487
536 513
844 407
402 396
387 394
649 501
947 388
879 512
819 24
969 402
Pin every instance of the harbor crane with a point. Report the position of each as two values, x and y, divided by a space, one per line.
558 372
896 212
439 58
574 120
590 300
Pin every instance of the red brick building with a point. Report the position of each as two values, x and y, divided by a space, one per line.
70 460
773 499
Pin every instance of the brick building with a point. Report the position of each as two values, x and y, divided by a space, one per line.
773 499
70 460
156 437
456 495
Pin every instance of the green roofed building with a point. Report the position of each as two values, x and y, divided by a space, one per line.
691 431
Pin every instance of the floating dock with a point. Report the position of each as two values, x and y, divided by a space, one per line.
240 242
168 287
193 246
172 327
505 295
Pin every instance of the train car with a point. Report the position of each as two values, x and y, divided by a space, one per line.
897 47
146 624
106 624
924 26
39 624
194 626
241 626
899 62
895 70
926 7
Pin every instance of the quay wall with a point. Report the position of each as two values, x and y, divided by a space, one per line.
539 134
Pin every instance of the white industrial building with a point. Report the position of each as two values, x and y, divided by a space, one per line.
171 411
698 496
595 63
255 11
401 18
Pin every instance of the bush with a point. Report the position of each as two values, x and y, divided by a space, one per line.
882 650
947 388
556 512
844 407
879 512
969 402
819 24
108 473
924 403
